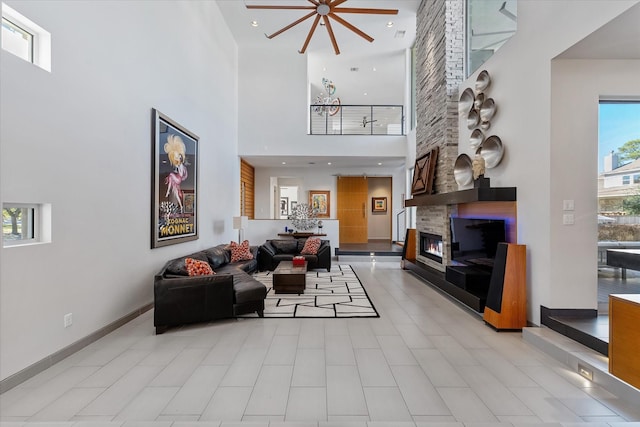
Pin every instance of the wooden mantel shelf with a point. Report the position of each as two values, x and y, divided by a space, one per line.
480 194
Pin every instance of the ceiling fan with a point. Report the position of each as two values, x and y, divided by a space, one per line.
326 9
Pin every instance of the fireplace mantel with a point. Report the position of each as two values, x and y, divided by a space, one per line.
480 194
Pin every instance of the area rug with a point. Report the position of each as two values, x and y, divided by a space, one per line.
338 293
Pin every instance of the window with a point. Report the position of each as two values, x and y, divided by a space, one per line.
17 40
626 180
25 39
24 223
489 24
636 179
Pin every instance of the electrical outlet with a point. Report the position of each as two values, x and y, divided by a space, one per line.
567 219
68 320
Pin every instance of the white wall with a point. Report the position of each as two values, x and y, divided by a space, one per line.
273 112
576 87
379 223
522 86
80 138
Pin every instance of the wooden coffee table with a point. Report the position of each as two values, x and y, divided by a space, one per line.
289 279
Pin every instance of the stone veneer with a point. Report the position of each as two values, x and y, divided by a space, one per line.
439 53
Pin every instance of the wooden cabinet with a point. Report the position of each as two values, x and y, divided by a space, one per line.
624 337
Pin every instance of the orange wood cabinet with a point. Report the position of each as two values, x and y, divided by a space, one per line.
624 337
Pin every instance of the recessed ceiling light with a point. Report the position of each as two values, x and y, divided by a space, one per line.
254 23
329 163
374 69
379 164
390 24
365 94
284 163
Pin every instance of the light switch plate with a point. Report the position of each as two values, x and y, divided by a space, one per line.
567 219
568 205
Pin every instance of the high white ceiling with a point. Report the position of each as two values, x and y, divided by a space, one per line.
239 19
380 64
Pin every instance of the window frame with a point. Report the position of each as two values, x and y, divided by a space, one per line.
40 38
32 38
32 224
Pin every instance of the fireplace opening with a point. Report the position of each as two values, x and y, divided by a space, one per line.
431 246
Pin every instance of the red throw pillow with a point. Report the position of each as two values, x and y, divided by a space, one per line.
311 246
198 268
240 252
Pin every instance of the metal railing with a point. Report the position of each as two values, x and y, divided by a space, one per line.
338 119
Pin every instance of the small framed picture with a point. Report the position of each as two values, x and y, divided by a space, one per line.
378 204
320 203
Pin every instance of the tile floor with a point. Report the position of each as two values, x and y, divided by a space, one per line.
426 361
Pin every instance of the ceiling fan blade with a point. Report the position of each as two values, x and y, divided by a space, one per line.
331 35
311 31
335 3
293 24
361 10
362 34
314 2
255 6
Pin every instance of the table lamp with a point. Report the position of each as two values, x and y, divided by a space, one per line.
240 223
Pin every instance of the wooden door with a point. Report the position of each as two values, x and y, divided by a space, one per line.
352 209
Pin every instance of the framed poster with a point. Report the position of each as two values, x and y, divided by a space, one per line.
319 202
174 182
284 206
378 204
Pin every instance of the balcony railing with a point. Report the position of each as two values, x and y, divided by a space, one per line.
356 119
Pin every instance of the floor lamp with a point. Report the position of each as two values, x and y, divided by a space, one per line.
240 223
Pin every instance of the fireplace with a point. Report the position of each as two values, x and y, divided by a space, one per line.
431 246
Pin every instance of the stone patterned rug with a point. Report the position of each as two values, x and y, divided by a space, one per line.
338 293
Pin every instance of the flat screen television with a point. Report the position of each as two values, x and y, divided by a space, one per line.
474 240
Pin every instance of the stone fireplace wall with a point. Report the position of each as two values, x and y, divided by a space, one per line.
440 70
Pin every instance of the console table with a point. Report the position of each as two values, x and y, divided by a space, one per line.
300 235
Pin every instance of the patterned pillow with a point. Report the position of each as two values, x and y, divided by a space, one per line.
240 252
198 268
311 246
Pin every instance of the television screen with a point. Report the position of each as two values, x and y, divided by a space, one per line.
474 241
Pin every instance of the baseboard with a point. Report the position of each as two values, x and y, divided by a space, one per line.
39 366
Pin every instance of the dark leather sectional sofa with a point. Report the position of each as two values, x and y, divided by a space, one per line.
181 299
273 251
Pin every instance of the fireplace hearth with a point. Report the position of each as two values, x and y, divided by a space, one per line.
431 246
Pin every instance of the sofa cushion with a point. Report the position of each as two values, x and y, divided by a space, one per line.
311 246
177 267
217 256
246 288
198 268
289 246
240 252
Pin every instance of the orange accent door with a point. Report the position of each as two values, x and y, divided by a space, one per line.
352 209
